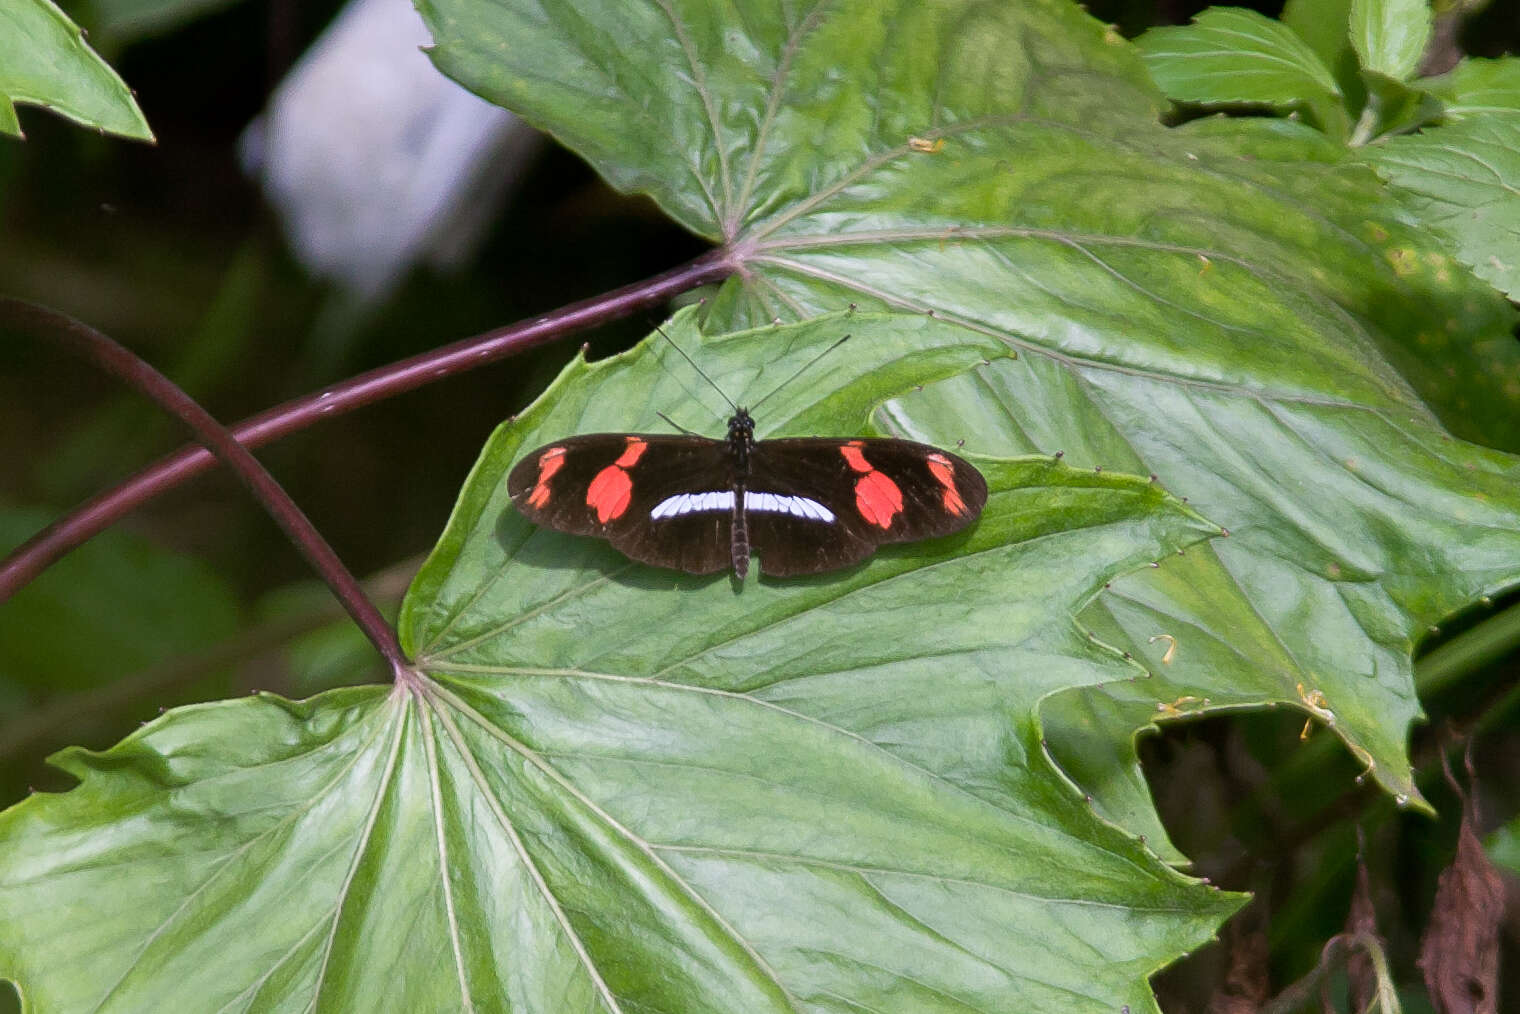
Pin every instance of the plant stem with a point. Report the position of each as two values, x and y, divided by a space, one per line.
1468 651
98 349
1362 132
100 512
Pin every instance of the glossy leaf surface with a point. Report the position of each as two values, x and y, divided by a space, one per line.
1173 292
1477 87
1463 179
617 788
1389 36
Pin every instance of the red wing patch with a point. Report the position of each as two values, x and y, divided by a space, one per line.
944 473
855 457
877 497
549 462
632 453
609 493
612 490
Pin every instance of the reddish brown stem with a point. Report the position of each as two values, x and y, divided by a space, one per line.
95 515
100 350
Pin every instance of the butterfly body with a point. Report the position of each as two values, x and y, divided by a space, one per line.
691 503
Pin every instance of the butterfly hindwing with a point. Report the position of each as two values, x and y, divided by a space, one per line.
788 545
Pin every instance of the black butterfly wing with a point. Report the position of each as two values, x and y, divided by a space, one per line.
810 505
608 485
871 492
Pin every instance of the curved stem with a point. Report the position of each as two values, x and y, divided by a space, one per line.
100 512
114 358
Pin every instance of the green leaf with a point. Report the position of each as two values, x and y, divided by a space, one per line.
44 61
721 111
1478 88
1164 289
1230 55
1462 181
1394 108
1389 36
1322 24
619 788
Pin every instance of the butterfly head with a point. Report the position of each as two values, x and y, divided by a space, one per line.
741 427
741 434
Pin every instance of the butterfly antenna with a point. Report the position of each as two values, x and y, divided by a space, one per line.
694 366
805 368
676 425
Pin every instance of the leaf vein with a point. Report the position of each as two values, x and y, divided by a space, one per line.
794 41
699 81
505 822
532 757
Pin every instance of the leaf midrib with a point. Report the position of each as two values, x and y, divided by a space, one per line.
482 786
530 756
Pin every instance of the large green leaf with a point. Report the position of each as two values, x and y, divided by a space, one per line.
1463 180
44 61
621 789
1236 293
741 113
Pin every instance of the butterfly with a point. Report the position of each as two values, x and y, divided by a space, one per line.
803 505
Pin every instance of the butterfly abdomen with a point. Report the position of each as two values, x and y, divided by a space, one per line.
739 541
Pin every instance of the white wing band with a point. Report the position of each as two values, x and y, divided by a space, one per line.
780 503
774 503
692 503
